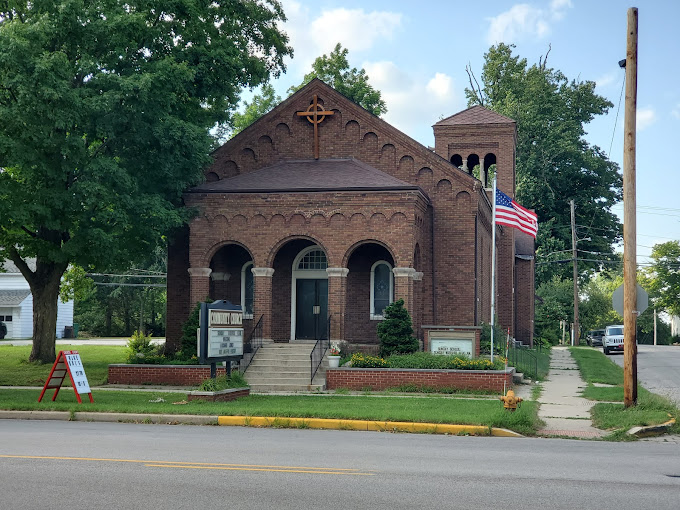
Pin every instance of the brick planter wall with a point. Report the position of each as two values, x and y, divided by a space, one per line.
384 378
177 375
219 396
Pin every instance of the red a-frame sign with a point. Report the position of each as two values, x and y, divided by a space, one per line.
68 362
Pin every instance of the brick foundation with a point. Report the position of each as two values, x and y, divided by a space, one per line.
219 396
383 378
174 375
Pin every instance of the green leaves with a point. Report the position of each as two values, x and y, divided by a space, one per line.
664 276
555 163
334 69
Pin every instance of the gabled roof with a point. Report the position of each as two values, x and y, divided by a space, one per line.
347 174
475 115
13 297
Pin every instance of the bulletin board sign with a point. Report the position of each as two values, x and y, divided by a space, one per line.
68 363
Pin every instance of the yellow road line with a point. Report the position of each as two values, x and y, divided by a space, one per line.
202 465
284 470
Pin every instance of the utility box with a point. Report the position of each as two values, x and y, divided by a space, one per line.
220 335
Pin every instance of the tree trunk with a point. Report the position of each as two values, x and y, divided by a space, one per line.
45 290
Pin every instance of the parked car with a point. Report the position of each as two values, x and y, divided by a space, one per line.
595 337
613 338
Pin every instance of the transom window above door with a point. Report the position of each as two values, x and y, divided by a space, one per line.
315 259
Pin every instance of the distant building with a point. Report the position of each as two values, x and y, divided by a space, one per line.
16 304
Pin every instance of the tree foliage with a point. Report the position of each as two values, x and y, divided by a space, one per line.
396 331
261 104
105 111
555 164
334 69
664 276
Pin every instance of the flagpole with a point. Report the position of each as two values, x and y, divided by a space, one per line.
493 263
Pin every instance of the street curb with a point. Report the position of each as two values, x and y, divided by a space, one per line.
263 421
652 430
366 425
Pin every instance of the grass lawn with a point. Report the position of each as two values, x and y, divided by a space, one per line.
15 370
410 409
651 409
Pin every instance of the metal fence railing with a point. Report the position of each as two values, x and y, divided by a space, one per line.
319 350
251 346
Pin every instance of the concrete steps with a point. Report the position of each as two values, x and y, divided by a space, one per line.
279 367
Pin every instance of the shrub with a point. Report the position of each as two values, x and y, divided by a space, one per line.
141 350
223 382
188 349
396 331
426 360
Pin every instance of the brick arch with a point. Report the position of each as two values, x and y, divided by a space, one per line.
212 250
248 155
444 185
406 165
211 177
463 201
370 141
397 217
353 247
276 247
229 169
352 129
282 130
388 155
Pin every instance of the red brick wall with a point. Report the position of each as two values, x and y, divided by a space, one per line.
383 378
178 375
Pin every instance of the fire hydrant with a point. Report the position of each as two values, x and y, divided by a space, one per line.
510 401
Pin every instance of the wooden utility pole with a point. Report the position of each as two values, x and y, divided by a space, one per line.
629 220
574 257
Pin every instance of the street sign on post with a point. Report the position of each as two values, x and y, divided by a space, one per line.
641 296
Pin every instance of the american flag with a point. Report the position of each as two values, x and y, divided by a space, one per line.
510 213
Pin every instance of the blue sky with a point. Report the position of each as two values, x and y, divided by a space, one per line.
415 53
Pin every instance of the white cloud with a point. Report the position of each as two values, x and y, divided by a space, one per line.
524 20
355 29
436 96
645 117
676 111
608 79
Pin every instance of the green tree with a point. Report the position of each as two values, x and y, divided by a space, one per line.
664 276
261 104
396 331
555 164
105 112
334 69
555 303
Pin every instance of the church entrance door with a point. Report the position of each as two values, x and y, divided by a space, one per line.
309 303
312 309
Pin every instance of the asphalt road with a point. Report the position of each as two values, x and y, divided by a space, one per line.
658 369
74 465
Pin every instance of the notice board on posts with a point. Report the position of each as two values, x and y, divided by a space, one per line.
68 363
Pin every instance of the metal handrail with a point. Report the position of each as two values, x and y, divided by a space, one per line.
319 351
251 346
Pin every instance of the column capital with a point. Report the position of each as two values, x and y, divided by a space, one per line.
199 271
337 271
403 271
417 276
262 271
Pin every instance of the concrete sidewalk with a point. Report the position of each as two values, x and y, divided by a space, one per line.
564 411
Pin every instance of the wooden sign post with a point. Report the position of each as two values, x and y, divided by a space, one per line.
67 362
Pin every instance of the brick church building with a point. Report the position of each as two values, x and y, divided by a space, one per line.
320 214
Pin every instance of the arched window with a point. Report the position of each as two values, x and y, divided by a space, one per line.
382 288
313 259
247 290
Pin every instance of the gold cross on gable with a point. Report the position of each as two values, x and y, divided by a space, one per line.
316 115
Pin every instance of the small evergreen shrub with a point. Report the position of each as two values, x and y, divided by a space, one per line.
141 350
396 331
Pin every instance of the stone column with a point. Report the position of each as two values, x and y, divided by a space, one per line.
337 299
464 167
403 286
200 284
262 302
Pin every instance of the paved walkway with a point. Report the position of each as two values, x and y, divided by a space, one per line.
564 411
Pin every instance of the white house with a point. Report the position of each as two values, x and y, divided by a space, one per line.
16 304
